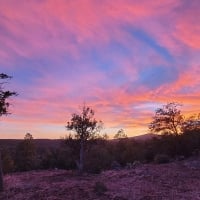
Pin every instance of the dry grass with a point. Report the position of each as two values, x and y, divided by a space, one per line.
171 181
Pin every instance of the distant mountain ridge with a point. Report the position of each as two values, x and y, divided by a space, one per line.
54 143
147 136
12 143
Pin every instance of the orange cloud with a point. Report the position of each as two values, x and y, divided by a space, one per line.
96 51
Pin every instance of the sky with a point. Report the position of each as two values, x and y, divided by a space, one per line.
123 58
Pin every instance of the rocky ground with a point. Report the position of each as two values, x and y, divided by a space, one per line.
173 181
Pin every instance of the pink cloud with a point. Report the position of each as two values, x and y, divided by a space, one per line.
48 31
67 33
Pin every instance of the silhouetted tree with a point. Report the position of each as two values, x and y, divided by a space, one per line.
120 134
4 105
85 127
167 119
191 135
4 95
26 153
191 124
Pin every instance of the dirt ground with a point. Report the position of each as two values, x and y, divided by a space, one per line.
172 181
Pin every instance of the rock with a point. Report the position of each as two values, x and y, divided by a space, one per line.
133 165
136 163
115 165
193 164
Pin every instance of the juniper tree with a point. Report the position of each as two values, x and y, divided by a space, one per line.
167 119
26 154
120 134
4 105
85 127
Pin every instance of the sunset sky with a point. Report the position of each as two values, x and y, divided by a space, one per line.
124 58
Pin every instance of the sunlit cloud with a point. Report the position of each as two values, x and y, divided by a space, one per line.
124 58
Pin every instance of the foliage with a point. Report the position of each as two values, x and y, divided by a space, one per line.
126 151
98 159
4 105
7 161
4 95
26 154
84 124
103 154
167 119
100 153
192 123
120 134
85 127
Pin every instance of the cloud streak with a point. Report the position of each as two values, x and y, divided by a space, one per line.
124 58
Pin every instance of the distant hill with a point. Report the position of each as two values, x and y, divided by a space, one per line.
139 138
145 137
54 143
9 143
12 143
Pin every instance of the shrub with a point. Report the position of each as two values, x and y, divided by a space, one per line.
100 188
7 160
161 158
25 157
98 159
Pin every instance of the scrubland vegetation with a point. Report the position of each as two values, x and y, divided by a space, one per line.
100 154
178 180
87 165
179 139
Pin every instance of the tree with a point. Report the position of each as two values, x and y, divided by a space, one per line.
4 95
4 105
85 127
167 119
26 154
120 134
192 123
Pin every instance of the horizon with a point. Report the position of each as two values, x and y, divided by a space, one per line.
124 59
140 137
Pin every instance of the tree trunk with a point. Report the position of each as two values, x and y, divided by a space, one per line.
1 175
81 161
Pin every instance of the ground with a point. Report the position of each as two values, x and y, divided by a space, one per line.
171 181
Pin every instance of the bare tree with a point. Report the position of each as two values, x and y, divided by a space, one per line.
4 105
85 127
167 119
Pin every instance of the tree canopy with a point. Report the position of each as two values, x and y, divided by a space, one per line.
120 134
26 153
167 119
4 95
4 105
85 127
192 123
